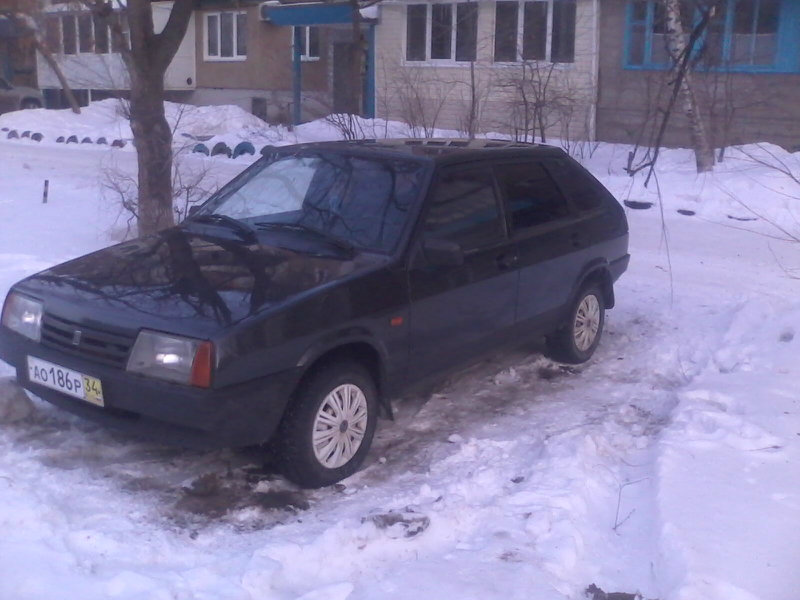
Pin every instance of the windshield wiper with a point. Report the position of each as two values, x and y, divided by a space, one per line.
329 237
247 232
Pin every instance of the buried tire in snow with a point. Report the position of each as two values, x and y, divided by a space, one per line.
327 429
577 339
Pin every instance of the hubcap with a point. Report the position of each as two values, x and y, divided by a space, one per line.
340 426
587 323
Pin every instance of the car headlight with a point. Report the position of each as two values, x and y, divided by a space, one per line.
172 357
23 315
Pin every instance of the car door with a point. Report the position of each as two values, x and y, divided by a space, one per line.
458 310
543 226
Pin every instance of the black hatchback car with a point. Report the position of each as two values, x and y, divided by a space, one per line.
321 282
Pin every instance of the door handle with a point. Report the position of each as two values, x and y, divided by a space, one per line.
506 261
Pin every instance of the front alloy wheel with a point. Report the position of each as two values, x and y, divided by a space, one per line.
328 427
340 426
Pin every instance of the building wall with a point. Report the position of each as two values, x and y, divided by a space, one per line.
266 73
739 107
87 70
428 95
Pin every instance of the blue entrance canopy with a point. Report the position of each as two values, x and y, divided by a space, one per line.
316 14
307 13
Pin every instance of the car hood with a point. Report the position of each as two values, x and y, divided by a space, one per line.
184 282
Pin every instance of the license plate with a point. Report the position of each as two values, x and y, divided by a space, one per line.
65 380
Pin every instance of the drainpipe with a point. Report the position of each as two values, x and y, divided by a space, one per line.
369 79
297 78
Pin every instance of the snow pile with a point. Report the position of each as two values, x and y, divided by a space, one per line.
105 118
108 118
726 464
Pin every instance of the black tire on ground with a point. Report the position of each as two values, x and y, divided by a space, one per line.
28 103
296 455
574 342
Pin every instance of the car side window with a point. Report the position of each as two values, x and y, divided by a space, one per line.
464 209
531 195
578 184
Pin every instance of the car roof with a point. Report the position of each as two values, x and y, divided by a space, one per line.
440 150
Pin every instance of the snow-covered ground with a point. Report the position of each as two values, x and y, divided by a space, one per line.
667 466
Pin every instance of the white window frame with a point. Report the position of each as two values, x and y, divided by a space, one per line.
74 16
218 57
521 32
451 62
61 47
306 33
548 49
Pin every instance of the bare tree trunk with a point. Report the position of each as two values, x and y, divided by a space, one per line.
676 41
147 61
153 138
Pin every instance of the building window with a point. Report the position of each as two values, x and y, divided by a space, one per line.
309 42
562 45
742 35
101 36
81 34
85 34
69 34
226 35
442 32
521 28
52 34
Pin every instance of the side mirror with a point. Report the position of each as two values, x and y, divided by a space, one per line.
442 253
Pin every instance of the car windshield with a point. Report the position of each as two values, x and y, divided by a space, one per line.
363 201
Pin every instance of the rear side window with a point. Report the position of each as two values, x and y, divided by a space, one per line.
578 184
463 209
531 195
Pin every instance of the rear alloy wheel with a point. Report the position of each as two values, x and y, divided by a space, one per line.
327 430
577 339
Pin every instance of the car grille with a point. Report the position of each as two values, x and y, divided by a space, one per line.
93 344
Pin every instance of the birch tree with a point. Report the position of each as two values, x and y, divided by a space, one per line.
679 49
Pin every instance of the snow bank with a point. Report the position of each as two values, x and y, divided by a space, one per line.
728 495
108 118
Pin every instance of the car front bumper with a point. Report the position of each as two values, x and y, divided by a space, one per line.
239 415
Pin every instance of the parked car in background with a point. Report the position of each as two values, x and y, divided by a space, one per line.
18 97
318 284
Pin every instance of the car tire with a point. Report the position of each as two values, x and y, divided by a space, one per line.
29 103
338 405
578 337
